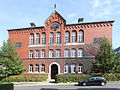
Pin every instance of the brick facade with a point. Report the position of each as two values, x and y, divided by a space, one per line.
82 42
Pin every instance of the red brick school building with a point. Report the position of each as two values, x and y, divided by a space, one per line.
59 48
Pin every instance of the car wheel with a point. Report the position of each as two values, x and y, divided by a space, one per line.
84 84
102 83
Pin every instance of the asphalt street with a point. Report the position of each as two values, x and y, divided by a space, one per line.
67 87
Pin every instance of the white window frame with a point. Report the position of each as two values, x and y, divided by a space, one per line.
81 36
36 68
74 36
37 53
58 38
31 54
66 53
67 37
73 53
31 38
58 52
31 68
80 67
43 68
51 37
80 52
66 68
43 38
37 38
51 53
73 68
42 53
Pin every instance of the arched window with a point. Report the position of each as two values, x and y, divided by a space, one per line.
51 53
37 53
43 38
31 38
37 68
43 68
66 53
37 38
73 68
80 68
74 36
51 37
58 53
66 68
42 53
80 52
58 38
73 53
30 68
81 36
67 37
31 54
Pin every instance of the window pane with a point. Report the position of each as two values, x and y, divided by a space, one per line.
42 53
57 53
51 37
37 38
58 38
31 38
80 69
66 53
80 52
31 54
67 37
66 68
74 35
43 38
81 37
42 68
73 68
37 54
30 68
36 68
73 53
51 53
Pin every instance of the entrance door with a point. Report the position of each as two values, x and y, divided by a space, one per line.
54 71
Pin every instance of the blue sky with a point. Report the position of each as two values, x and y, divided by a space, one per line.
19 13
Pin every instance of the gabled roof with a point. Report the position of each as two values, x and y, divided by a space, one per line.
52 14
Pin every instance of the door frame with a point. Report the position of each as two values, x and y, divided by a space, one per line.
49 76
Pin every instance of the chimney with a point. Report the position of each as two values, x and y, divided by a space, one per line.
80 20
32 24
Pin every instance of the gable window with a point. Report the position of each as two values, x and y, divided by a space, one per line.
58 53
30 68
66 68
37 68
80 52
37 38
42 53
42 68
81 36
79 68
31 38
67 37
51 53
51 37
37 53
31 54
73 68
43 38
74 36
58 38
66 53
73 53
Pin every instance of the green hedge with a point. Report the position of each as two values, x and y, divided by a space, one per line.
6 86
25 78
75 78
70 78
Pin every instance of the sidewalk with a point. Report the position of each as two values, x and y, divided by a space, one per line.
52 83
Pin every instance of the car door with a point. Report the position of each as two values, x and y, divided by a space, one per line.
91 81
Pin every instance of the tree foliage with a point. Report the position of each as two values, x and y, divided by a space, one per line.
9 60
105 60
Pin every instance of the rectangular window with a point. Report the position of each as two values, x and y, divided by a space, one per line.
80 69
36 68
66 53
42 53
37 54
58 38
42 68
66 68
58 53
31 54
73 68
51 53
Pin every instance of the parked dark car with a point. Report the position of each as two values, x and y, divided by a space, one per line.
93 81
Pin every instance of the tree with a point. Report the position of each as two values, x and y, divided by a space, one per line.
9 61
105 59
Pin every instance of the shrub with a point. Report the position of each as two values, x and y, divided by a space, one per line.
70 78
25 78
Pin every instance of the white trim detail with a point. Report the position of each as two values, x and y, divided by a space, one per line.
49 76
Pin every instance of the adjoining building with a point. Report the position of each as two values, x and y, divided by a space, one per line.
59 48
117 51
